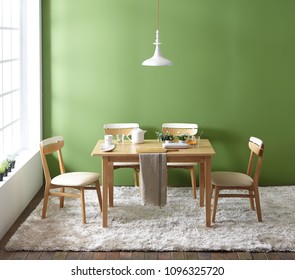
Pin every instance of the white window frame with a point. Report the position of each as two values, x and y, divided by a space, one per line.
30 81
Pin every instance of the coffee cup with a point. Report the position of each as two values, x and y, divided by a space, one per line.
108 139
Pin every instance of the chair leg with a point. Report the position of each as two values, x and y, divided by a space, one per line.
258 207
98 191
212 190
45 201
193 180
135 171
83 205
62 198
215 201
251 200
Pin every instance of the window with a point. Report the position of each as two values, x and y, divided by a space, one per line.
19 75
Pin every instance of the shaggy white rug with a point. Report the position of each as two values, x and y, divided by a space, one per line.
179 226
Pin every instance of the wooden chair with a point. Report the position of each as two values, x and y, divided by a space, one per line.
122 128
222 180
179 129
75 180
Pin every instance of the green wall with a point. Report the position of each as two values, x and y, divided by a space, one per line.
233 75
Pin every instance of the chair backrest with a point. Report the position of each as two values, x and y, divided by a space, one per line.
47 147
256 147
180 128
119 128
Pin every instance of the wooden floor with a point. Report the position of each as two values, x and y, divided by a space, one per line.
61 255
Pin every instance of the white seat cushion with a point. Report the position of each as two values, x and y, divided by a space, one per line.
230 179
75 179
184 164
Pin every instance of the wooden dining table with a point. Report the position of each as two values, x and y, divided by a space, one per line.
129 152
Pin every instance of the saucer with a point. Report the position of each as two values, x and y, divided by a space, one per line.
107 148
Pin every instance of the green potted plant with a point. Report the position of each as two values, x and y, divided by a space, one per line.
6 166
164 136
182 137
11 160
2 170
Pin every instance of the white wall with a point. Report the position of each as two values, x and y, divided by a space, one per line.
19 188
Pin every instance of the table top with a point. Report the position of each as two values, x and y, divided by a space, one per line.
127 148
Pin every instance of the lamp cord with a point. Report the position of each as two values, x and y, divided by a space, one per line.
158 14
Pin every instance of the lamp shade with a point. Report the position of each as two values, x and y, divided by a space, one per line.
157 59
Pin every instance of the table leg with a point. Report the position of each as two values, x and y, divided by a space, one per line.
201 182
105 185
208 190
111 184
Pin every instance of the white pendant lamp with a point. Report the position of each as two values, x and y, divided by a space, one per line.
157 59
